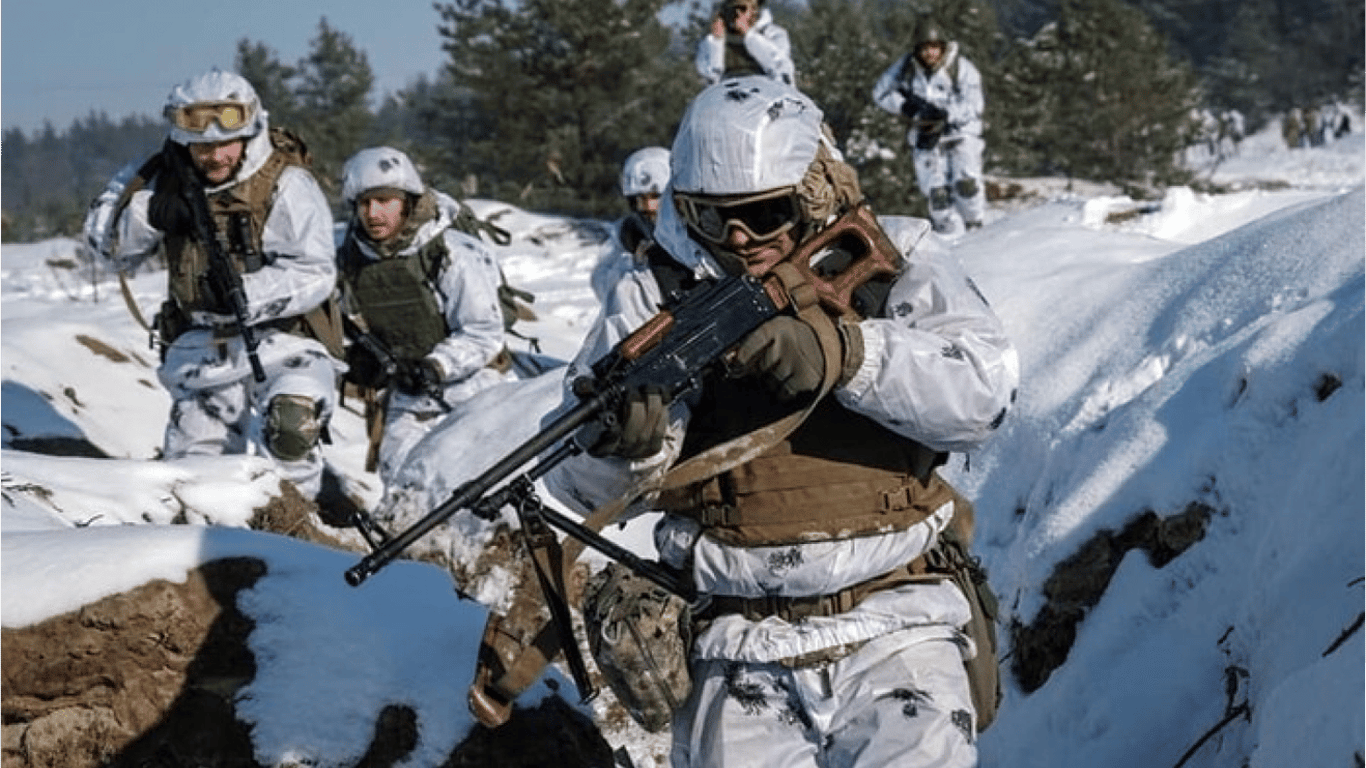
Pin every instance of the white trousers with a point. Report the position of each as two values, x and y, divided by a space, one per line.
218 408
890 703
950 177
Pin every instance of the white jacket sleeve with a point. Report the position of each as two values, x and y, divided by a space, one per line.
584 482
301 270
469 298
967 102
769 45
938 368
887 92
711 58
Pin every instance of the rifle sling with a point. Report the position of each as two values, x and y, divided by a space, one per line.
533 659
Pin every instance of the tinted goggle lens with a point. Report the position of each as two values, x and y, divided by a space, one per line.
760 217
229 115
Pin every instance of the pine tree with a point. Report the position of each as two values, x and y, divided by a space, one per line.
334 113
273 81
1096 95
556 94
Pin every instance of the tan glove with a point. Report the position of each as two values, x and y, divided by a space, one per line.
785 354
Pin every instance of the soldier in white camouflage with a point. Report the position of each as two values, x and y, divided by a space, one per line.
819 644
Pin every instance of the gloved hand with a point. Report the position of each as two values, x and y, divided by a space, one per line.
635 431
929 131
786 354
167 209
364 369
419 377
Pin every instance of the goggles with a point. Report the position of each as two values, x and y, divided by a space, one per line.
197 117
761 217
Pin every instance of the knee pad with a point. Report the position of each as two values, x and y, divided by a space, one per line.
293 427
966 187
940 198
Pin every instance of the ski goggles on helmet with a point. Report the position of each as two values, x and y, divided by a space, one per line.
761 217
197 117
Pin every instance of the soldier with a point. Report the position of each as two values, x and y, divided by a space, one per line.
643 177
940 93
818 647
271 220
429 325
744 40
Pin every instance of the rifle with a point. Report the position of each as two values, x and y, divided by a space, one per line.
672 351
222 278
388 363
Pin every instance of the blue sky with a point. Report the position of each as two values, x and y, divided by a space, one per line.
60 59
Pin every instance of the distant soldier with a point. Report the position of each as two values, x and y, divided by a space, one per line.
940 93
643 177
745 41
1292 127
429 325
268 219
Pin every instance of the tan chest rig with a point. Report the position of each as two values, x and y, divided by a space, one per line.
837 476
239 218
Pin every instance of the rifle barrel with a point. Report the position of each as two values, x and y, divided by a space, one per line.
469 494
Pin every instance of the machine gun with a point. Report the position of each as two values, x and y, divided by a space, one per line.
222 279
672 352
845 269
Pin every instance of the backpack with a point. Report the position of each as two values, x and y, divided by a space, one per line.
953 558
514 302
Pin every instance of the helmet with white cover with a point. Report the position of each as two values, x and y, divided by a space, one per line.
645 172
212 107
378 167
745 135
754 139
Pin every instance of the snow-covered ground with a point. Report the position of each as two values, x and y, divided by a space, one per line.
1206 349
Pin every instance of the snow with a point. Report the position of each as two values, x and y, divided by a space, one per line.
1205 348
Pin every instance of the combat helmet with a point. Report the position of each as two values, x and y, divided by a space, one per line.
212 107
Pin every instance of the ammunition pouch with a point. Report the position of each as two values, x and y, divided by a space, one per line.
639 635
167 325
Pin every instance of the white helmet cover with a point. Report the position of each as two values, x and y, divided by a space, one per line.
379 167
215 85
745 135
646 171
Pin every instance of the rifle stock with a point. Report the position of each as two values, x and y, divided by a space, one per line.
222 276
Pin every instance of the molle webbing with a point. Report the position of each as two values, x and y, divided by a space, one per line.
248 201
839 476
398 303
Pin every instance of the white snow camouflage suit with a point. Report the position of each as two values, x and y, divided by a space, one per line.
466 293
938 369
950 173
217 407
765 42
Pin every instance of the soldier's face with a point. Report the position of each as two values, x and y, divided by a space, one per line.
381 214
217 161
646 205
930 53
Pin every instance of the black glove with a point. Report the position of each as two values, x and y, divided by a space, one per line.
364 369
786 354
419 377
167 210
635 431
927 135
